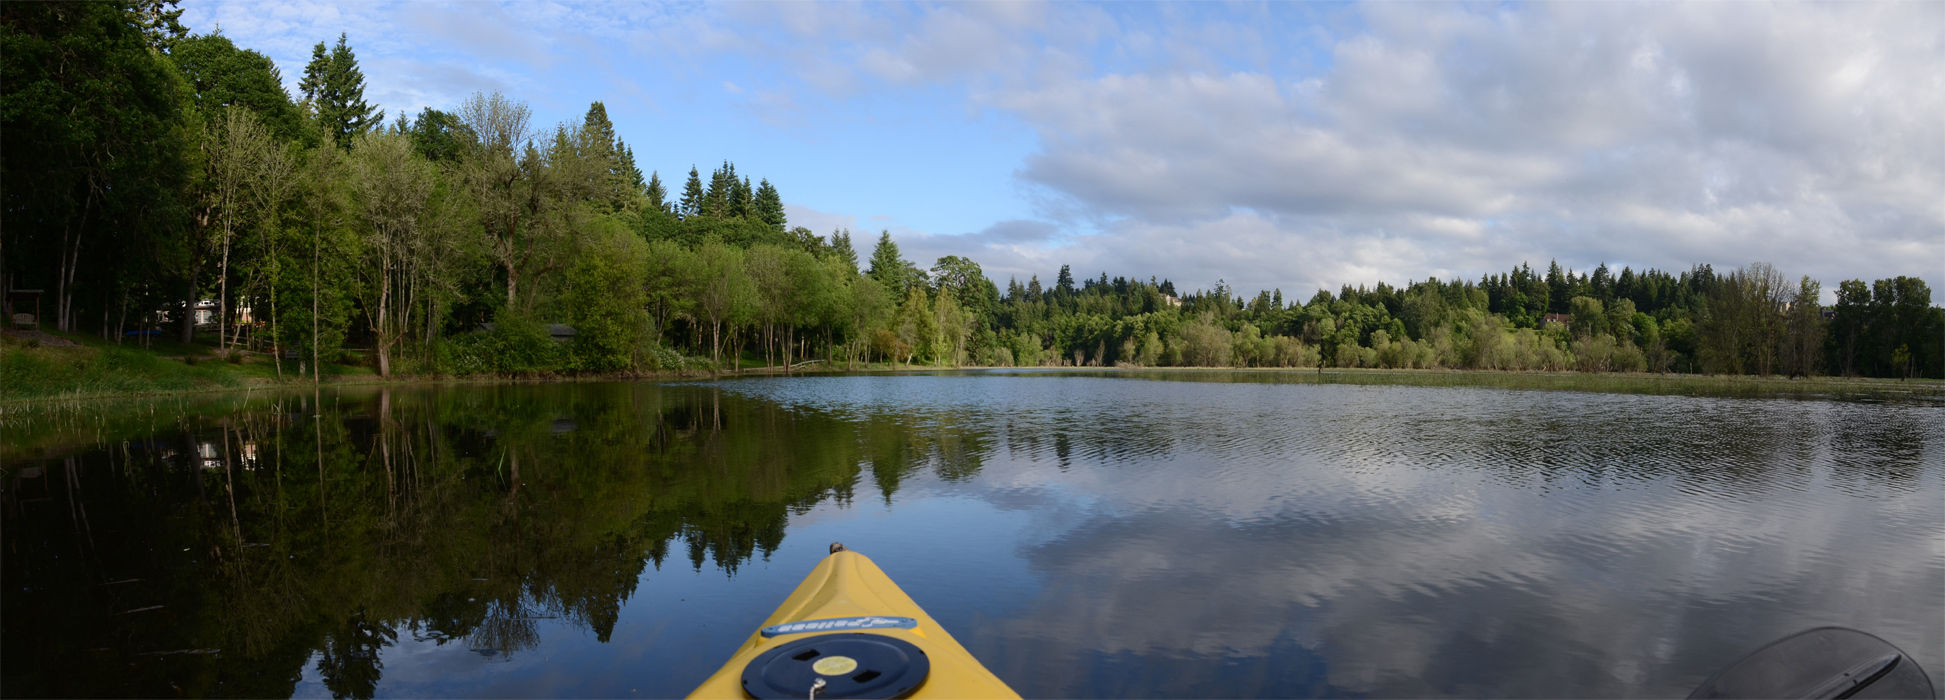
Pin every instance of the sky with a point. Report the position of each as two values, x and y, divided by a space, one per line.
1297 146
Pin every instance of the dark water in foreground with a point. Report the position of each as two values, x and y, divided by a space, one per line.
1083 536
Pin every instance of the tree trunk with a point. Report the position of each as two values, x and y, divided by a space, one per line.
383 348
513 284
223 286
71 259
315 255
189 304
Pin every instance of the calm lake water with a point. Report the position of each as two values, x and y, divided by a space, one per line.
1122 535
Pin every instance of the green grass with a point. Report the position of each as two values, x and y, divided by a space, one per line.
30 371
51 372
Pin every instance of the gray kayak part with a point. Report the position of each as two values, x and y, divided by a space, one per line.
1826 662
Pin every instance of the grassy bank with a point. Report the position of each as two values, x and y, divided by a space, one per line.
76 366
70 366
37 372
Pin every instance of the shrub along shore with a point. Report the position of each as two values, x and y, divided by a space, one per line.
81 367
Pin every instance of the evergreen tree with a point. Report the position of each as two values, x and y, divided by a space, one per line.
335 89
739 195
616 182
632 175
891 269
658 196
693 198
599 130
438 136
1558 283
884 258
715 202
841 247
768 206
1064 284
161 25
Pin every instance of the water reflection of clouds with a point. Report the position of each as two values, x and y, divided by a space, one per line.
1428 542
1645 612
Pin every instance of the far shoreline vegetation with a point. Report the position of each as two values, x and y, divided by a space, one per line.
168 199
91 371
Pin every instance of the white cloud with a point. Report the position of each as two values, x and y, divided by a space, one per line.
819 222
1452 141
1300 146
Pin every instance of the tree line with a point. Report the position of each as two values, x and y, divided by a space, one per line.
148 169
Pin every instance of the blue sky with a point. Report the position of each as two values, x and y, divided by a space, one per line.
1290 145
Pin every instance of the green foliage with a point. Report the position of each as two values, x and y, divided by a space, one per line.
222 75
334 87
1206 345
1590 318
606 301
890 269
514 345
439 137
917 326
92 128
768 206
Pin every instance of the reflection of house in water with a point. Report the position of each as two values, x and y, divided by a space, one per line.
34 492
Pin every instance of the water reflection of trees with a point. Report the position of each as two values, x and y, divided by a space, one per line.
316 529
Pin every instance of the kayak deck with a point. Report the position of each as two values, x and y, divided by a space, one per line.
847 602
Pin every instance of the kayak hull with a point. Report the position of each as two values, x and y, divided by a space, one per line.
848 593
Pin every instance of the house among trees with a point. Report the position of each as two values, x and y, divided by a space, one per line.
1562 319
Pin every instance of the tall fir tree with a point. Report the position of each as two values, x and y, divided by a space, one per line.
693 197
715 203
658 196
891 269
768 206
617 184
335 89
887 265
161 24
632 174
739 196
842 248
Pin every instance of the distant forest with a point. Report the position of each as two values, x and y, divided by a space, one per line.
148 169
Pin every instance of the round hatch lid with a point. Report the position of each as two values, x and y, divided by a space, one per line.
852 665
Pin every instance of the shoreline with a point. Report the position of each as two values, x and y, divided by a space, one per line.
80 369
1731 386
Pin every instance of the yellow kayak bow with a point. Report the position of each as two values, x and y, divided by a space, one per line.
849 632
